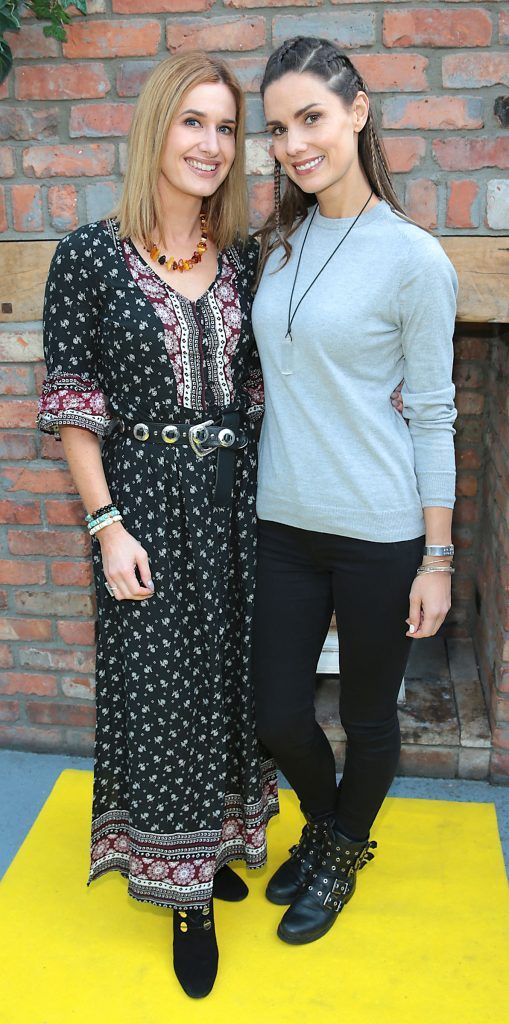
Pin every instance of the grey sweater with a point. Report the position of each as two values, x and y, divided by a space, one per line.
335 457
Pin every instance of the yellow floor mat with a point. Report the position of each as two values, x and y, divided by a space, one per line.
425 939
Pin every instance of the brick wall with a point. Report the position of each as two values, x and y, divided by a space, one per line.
436 72
492 571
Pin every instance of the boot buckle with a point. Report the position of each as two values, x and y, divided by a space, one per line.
332 902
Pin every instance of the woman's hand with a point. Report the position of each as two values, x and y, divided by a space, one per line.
121 555
430 600
396 400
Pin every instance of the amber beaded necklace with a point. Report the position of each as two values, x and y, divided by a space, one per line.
170 263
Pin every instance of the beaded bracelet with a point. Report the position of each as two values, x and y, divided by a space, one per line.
99 519
107 522
99 511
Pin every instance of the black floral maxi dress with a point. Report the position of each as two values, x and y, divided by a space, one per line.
181 785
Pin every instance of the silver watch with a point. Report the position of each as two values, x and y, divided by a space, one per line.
439 550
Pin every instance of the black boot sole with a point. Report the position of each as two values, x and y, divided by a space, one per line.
293 940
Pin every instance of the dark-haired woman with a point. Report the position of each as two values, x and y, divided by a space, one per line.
148 345
354 500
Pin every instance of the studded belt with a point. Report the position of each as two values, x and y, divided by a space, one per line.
203 438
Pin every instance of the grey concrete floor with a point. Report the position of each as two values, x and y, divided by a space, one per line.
26 781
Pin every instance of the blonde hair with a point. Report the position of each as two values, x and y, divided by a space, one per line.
139 211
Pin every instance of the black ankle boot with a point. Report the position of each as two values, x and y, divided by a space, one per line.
330 886
195 952
292 876
228 886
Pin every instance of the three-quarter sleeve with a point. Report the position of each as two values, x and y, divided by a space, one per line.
427 302
71 394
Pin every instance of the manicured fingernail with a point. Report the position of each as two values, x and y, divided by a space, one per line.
411 628
150 585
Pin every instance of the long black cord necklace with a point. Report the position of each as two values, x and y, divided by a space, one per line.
287 367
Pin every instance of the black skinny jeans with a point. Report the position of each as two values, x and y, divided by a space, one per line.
302 577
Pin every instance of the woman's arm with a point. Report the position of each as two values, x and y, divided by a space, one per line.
121 553
430 596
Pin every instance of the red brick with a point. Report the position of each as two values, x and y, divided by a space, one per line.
426 26
26 682
82 633
48 657
391 72
503 27
34 739
48 542
404 153
3 213
469 403
53 602
466 486
82 687
61 82
17 446
60 714
99 119
39 481
22 123
121 38
7 165
461 204
500 738
31 42
432 112
465 511
241 4
245 32
25 629
50 447
468 458
18 512
27 207
162 6
72 574
5 656
475 70
63 207
89 160
466 347
249 71
16 380
132 75
471 154
421 202
9 710
22 572
499 765
17 413
4 89
261 202
65 513
346 28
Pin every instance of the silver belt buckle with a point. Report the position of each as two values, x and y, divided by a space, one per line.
198 435
141 432
170 434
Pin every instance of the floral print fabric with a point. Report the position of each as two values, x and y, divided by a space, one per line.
181 785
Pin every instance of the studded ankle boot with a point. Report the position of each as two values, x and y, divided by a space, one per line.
330 886
195 952
292 876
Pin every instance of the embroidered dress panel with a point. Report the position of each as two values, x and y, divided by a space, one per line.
181 785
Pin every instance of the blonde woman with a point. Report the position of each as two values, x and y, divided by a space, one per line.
148 346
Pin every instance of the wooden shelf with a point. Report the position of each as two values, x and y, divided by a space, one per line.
481 262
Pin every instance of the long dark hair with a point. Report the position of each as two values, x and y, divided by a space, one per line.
321 58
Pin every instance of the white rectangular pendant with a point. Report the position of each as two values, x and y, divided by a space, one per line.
287 355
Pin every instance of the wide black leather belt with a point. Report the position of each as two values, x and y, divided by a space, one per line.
203 438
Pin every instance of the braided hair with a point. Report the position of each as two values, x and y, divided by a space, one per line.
321 58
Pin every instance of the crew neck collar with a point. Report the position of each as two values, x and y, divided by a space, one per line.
333 223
